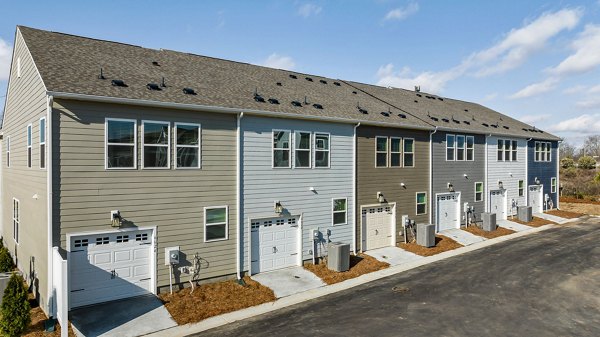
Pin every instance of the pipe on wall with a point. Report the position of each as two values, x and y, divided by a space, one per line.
238 193
51 299
354 189
431 174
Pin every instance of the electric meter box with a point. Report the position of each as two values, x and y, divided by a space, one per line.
171 255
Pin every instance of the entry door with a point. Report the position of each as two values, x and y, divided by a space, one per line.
377 226
534 197
274 243
498 204
448 211
109 266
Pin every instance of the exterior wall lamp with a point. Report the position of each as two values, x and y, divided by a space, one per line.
537 181
278 207
450 187
115 218
380 197
500 185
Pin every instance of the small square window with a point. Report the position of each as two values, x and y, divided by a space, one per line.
340 211
215 223
521 188
421 203
479 191
553 185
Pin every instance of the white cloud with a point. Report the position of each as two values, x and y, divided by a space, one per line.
433 82
586 56
594 90
532 119
581 124
590 103
490 97
575 89
307 10
5 57
279 62
402 12
536 88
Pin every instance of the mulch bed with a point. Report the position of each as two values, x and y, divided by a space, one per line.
36 327
214 299
564 214
536 222
359 264
442 244
573 200
500 231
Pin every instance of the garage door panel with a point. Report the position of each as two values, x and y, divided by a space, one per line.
102 258
123 256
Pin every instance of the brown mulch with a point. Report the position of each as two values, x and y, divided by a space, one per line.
536 222
500 231
36 327
590 209
359 264
586 200
214 299
442 244
564 214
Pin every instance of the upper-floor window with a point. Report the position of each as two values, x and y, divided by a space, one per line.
507 150
187 145
7 151
215 223
394 152
121 143
281 148
381 151
322 148
409 152
470 148
340 211
553 185
29 145
16 219
478 191
156 144
543 151
421 203
514 150
302 141
460 147
450 139
43 142
303 149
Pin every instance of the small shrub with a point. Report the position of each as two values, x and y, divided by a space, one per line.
567 163
15 308
597 177
6 261
586 163
570 172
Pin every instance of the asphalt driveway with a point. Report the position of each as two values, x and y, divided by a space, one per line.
544 284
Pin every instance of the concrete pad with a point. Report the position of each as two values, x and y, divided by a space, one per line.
393 255
462 237
552 218
289 281
129 317
517 227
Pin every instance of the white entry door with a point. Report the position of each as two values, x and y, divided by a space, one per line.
109 266
448 211
274 243
498 204
378 223
535 198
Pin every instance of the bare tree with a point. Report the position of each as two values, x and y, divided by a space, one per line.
567 150
591 146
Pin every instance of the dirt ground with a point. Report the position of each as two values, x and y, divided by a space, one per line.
500 231
563 213
586 200
359 264
585 208
536 222
36 328
214 299
442 244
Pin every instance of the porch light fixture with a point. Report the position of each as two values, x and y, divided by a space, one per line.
403 185
450 187
466 176
278 207
380 197
500 185
537 181
115 218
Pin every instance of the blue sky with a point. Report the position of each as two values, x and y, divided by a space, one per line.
538 61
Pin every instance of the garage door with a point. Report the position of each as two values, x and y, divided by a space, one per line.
377 226
534 197
448 211
109 266
274 243
498 204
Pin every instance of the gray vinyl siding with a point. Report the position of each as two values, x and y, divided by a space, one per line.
448 171
173 200
263 185
26 104
509 172
371 179
544 171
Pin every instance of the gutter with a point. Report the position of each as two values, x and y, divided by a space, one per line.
52 304
526 187
238 195
431 173
557 175
485 173
354 189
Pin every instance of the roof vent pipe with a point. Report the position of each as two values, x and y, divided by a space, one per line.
417 88
101 76
162 83
305 100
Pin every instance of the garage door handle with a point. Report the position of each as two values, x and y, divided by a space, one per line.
376 232
113 274
274 249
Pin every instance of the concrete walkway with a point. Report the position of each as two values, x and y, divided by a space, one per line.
463 237
289 281
517 227
393 255
552 218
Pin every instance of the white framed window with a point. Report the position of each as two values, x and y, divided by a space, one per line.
322 150
281 148
121 143
521 188
470 148
7 151
421 199
16 219
395 152
409 152
216 223
187 146
29 141
514 150
381 151
553 185
506 150
450 139
460 147
500 150
538 148
43 142
478 191
543 151
302 149
339 211
156 142
548 151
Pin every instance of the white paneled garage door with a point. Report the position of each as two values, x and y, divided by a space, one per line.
448 211
109 266
534 197
274 243
498 204
378 223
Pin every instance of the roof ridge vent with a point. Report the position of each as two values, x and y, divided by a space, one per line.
318 106
337 84
296 103
118 83
323 81
155 63
189 91
293 76
308 79
273 101
153 86
361 110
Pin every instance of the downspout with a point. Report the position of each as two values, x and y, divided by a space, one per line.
431 172
354 190
557 175
238 178
485 174
526 187
49 164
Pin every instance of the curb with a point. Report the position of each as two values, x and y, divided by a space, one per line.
217 321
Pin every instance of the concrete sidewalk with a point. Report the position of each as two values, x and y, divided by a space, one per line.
517 227
553 218
463 237
289 281
393 255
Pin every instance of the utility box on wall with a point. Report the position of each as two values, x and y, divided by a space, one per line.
426 235
338 258
525 213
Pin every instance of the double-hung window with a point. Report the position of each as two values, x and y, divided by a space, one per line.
514 150
521 188
43 142
500 150
29 145
121 144
216 222
543 151
187 145
450 147
506 150
322 145
421 203
479 191
409 152
340 211
155 144
16 219
548 151
281 148
538 148
395 152
381 151
7 151
470 148
460 147
302 149
553 185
